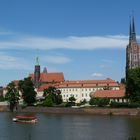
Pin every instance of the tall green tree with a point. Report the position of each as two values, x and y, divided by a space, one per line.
12 95
54 94
133 85
26 87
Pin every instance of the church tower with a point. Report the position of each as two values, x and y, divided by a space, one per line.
133 49
37 74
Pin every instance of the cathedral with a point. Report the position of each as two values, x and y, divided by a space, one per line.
45 78
133 49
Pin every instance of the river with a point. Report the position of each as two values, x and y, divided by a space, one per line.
70 127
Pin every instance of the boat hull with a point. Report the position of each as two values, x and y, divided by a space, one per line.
25 119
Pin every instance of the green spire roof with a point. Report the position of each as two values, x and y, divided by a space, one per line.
132 36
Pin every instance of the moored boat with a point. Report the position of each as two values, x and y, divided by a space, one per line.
26 119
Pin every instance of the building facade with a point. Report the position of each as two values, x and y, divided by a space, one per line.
133 49
81 89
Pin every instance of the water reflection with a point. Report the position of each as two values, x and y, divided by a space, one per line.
70 127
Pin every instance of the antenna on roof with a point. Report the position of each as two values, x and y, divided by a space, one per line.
37 60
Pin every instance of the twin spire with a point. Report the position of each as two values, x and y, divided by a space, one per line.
132 33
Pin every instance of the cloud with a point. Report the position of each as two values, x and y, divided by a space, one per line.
97 75
70 42
6 33
13 63
56 59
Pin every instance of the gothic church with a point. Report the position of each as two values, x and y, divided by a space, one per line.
133 49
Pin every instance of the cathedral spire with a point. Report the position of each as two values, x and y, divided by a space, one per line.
37 74
130 33
132 36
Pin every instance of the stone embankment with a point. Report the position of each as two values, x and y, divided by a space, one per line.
92 111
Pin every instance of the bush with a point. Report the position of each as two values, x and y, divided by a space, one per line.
69 104
48 102
93 101
24 105
83 102
2 99
118 105
100 102
124 105
134 105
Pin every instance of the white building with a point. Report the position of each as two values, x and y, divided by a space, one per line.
81 89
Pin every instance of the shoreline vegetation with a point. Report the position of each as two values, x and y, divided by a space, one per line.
83 111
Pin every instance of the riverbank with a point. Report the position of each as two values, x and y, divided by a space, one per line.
92 111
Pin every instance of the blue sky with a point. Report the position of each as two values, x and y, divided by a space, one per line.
85 39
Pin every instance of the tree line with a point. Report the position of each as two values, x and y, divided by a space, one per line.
52 96
25 90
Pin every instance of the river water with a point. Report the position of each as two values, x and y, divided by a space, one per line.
70 127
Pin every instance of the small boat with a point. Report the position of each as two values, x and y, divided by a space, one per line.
26 119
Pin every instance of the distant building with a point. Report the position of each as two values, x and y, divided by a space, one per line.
133 49
113 95
42 78
81 89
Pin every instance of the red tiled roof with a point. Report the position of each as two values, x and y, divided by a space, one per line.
50 77
43 87
109 94
46 86
80 84
89 83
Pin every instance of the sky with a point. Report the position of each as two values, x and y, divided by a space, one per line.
84 39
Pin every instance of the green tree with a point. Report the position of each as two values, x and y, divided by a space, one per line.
28 92
72 99
93 101
133 85
100 102
103 102
48 101
12 95
55 95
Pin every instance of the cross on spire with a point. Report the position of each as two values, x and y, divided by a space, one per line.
37 60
